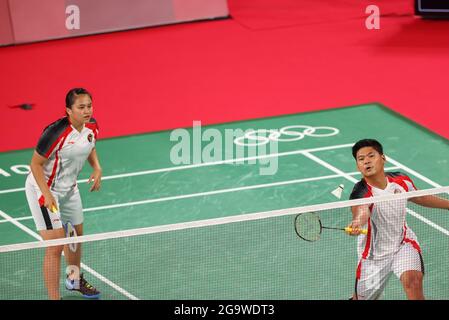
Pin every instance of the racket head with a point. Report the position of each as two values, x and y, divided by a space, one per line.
70 232
308 226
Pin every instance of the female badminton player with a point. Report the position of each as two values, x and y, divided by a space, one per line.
51 188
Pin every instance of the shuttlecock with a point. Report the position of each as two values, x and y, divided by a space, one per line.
337 192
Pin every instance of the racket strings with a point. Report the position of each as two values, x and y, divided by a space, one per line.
308 226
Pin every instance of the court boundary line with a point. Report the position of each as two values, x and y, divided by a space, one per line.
83 265
427 221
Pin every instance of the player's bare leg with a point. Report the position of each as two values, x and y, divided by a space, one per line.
412 281
74 258
52 262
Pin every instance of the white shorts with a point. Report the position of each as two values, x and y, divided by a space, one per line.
373 275
70 208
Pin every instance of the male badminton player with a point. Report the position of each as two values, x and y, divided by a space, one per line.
390 245
51 188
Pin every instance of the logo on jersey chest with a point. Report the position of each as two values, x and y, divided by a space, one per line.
90 137
397 190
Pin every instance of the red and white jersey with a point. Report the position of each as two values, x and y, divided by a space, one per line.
387 227
66 150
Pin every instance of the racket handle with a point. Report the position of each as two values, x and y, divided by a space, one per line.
362 231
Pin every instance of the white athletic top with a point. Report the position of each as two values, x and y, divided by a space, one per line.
66 150
387 227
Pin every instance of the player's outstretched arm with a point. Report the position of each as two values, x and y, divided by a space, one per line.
360 216
431 202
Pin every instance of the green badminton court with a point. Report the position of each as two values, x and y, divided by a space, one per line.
260 259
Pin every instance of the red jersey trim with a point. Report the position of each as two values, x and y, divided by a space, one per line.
55 165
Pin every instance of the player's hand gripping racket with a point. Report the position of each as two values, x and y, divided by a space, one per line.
308 226
70 232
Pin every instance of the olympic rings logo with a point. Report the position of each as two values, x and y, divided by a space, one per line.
261 138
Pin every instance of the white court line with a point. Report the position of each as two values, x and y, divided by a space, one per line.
17 219
208 193
8 218
430 223
350 178
205 164
329 166
12 190
416 174
85 267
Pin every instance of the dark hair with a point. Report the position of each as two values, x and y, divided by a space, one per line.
366 143
73 94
